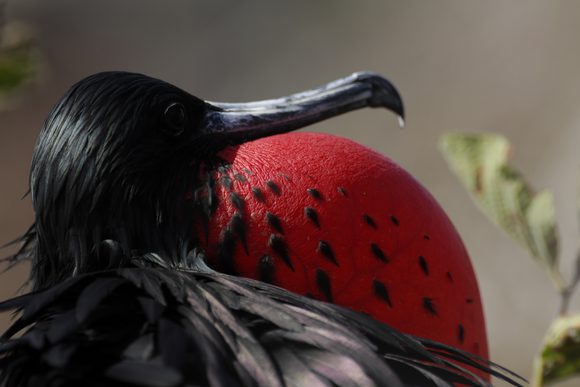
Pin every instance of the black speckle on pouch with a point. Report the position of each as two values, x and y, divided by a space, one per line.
239 228
258 194
314 193
266 269
460 333
239 177
370 221
323 283
274 222
273 187
226 182
224 169
378 253
312 215
424 265
226 249
380 290
278 245
326 250
237 201
429 306
449 276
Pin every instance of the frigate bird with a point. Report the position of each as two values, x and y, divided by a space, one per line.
121 291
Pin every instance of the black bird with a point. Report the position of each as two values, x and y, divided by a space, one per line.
121 293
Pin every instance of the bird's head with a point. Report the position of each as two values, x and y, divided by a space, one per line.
120 151
112 136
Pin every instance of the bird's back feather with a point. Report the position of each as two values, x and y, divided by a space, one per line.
161 327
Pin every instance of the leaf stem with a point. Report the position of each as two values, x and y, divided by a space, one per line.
537 379
566 295
567 292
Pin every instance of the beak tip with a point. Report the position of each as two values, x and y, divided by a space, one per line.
385 94
397 103
401 121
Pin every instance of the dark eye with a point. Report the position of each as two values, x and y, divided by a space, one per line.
175 118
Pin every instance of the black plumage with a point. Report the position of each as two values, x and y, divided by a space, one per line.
152 325
121 293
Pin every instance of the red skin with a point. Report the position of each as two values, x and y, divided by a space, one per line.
409 225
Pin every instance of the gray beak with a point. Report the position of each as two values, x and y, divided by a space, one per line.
236 123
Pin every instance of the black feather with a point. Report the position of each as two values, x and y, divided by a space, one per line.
93 294
229 331
143 374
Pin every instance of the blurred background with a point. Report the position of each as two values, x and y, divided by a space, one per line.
510 67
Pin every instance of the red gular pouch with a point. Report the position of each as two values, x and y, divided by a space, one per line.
326 217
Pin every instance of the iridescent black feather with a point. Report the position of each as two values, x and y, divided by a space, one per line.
151 325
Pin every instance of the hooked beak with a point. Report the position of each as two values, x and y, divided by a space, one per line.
235 123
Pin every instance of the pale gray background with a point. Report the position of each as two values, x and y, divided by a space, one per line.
511 67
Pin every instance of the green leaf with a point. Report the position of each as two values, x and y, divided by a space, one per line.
481 163
19 61
17 66
559 357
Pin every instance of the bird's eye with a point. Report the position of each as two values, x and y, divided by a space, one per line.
175 118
